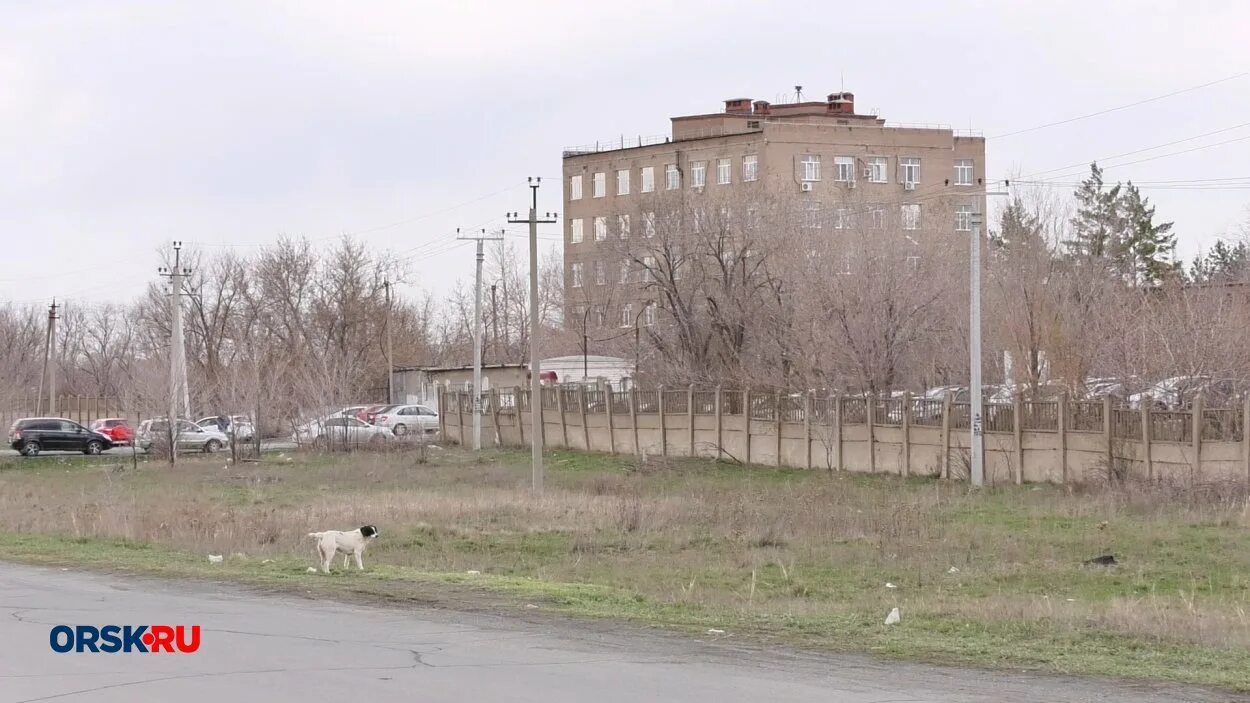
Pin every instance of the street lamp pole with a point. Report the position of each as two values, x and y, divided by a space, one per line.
974 351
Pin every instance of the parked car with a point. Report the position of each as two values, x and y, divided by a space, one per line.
32 435
238 425
338 431
403 419
191 437
1178 393
119 432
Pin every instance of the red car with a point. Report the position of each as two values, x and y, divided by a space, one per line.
115 428
370 414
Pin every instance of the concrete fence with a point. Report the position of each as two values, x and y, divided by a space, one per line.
1056 441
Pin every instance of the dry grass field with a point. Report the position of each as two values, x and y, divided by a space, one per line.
993 577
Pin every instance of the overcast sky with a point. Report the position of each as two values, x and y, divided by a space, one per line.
127 123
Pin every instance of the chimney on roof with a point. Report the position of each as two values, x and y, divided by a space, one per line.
761 107
738 106
841 103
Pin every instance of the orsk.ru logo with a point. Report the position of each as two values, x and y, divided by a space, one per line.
111 639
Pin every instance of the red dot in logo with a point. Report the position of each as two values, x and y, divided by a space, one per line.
148 638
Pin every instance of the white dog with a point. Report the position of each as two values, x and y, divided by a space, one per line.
348 544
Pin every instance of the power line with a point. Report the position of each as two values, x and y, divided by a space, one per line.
1120 107
1083 164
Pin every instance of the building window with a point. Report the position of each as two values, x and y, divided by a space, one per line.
672 177
963 172
963 218
909 170
648 269
700 219
648 314
911 216
844 218
876 216
577 232
600 315
575 188
624 277
722 171
579 313
878 167
698 174
600 185
601 229
648 179
577 274
675 261
627 315
601 274
810 167
648 224
622 226
846 168
811 216
750 167
913 264
622 182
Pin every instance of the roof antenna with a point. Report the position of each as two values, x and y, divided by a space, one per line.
798 93
842 80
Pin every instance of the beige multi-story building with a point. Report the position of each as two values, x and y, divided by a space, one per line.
821 158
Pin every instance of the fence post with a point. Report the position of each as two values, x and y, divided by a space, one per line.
777 423
905 422
1106 430
746 416
1017 414
837 427
581 401
870 419
663 426
564 423
690 416
1197 431
494 409
1145 441
459 419
520 421
611 397
633 416
807 430
946 435
719 411
1063 437
1245 437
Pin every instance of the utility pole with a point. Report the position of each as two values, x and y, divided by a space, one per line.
494 323
974 351
536 442
477 335
49 365
390 358
178 390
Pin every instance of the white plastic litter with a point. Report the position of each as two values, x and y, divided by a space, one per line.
312 570
215 558
714 631
952 570
890 585
894 617
473 573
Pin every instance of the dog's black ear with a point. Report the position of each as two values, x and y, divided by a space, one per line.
368 530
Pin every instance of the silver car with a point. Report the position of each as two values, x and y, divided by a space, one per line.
191 437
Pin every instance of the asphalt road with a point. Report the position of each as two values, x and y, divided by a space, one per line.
274 649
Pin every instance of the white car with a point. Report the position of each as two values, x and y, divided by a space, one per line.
240 425
342 431
406 419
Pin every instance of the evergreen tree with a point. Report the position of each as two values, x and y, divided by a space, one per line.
1098 224
1144 253
1223 263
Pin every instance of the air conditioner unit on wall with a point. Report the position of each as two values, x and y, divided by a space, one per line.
909 185
850 184
868 173
805 187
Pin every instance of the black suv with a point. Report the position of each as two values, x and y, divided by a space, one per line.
32 435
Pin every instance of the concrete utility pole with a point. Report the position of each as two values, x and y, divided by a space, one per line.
390 358
52 318
477 335
536 442
974 348
178 390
